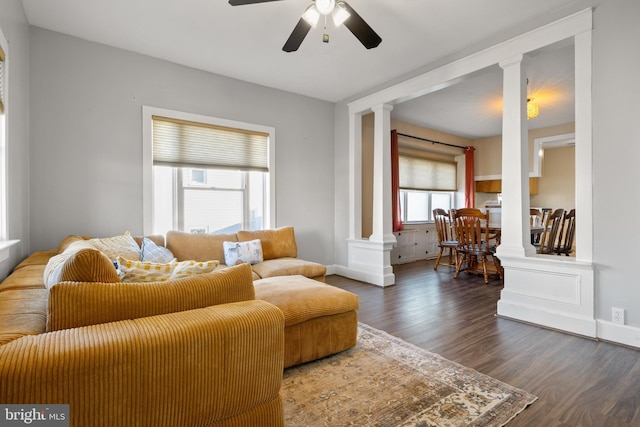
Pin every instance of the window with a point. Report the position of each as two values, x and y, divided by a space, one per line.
3 137
418 206
206 175
425 184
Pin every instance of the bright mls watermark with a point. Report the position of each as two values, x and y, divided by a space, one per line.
34 415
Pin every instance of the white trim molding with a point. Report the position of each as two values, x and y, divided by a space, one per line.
549 290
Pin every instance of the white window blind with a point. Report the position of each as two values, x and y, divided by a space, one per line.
417 173
181 143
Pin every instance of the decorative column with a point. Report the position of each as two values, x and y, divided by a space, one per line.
369 260
382 211
516 237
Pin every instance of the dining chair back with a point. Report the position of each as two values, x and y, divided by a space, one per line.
446 238
535 222
550 233
567 234
474 246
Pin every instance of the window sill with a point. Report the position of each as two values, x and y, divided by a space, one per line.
4 248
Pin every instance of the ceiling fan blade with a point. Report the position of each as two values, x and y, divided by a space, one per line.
361 29
297 36
241 2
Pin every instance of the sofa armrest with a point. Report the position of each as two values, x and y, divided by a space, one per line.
181 369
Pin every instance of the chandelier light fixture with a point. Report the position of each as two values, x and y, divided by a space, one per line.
532 109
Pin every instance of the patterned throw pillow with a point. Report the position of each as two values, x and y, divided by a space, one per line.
188 268
154 253
145 271
113 247
239 252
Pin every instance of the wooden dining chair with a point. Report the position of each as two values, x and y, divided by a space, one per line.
567 234
446 238
550 232
535 222
472 233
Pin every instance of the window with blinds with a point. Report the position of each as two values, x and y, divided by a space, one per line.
4 142
2 81
209 175
180 143
425 184
418 173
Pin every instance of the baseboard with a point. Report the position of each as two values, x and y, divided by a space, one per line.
573 324
361 276
620 334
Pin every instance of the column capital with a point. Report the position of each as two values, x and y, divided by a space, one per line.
382 107
514 60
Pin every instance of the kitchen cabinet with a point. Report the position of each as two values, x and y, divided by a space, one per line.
495 186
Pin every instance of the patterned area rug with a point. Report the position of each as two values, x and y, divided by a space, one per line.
385 381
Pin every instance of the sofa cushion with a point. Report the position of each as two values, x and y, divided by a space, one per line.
289 267
80 262
199 247
302 299
75 304
22 312
40 258
27 277
277 243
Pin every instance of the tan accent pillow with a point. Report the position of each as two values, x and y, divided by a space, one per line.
73 304
80 262
277 243
113 247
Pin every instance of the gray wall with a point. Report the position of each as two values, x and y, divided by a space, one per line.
616 152
86 140
16 30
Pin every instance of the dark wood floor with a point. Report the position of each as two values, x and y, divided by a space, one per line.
578 381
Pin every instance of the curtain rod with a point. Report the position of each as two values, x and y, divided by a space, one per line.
430 140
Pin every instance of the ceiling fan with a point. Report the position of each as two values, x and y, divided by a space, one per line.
341 13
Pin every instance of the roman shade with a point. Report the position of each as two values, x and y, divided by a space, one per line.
2 81
417 173
181 143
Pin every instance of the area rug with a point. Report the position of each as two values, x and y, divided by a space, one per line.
385 381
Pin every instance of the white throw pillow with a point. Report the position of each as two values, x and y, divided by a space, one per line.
113 247
154 253
239 252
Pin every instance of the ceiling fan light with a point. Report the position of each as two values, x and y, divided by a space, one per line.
340 14
325 7
311 15
532 109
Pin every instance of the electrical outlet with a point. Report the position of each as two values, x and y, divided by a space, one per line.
617 315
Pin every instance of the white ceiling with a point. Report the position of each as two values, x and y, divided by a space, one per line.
245 42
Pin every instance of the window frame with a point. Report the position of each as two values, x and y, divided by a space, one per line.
147 158
4 141
404 193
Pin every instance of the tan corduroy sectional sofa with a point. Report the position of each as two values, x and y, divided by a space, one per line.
202 350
